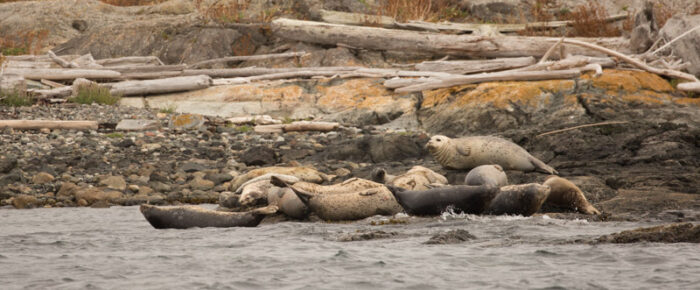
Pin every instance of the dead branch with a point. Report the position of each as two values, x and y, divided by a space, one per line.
582 126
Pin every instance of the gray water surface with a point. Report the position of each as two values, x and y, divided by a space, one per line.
115 248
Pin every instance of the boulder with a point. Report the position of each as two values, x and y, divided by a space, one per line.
686 47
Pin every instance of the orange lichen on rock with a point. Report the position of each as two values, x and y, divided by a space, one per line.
286 94
502 94
437 97
647 97
355 93
629 81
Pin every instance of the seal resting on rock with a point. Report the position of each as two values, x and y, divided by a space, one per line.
288 202
303 173
523 199
189 216
256 189
566 194
470 152
490 174
351 204
465 198
417 178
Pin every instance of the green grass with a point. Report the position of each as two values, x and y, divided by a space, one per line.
115 135
88 94
15 99
14 51
168 109
244 128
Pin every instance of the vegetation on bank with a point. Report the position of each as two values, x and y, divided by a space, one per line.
93 93
16 99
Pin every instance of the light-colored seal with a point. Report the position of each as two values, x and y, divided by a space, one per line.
288 202
566 194
255 190
490 174
470 152
188 216
303 173
463 198
350 185
348 205
417 178
523 199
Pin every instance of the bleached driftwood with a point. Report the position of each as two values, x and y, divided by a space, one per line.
10 82
437 83
48 124
86 61
161 86
475 66
61 92
246 58
441 44
64 73
297 126
130 61
257 120
339 72
52 83
346 18
27 64
60 61
690 87
635 62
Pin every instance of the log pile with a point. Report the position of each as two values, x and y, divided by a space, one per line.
491 57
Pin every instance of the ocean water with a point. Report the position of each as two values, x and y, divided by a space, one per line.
116 248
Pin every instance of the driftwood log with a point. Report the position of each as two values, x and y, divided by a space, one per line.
60 61
48 124
440 44
341 72
161 86
247 57
57 74
130 61
690 87
297 126
475 66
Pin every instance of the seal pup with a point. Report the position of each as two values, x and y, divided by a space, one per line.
470 152
303 173
523 199
417 178
491 174
189 216
566 194
351 204
465 198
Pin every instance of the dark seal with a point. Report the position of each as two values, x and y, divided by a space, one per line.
464 198
183 217
523 199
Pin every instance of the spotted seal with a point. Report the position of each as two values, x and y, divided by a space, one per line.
464 198
523 199
417 178
491 174
470 152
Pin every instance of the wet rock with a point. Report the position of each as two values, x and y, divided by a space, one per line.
12 177
189 167
138 125
394 147
201 184
366 236
113 182
673 233
92 195
125 143
258 155
218 178
24 201
7 164
42 177
67 189
450 237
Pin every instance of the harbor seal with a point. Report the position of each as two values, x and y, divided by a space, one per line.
417 178
189 216
566 194
350 204
288 203
490 174
464 198
470 152
523 199
350 185
255 190
303 173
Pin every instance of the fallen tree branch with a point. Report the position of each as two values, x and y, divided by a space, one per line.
690 87
248 57
637 63
60 61
582 126
475 66
130 60
437 83
48 124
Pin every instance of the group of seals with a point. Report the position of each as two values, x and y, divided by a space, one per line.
295 191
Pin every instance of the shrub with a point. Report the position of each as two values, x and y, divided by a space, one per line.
15 99
93 93
168 109
590 21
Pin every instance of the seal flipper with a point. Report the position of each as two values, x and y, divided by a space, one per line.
541 166
270 209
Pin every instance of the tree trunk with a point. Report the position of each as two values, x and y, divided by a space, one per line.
440 44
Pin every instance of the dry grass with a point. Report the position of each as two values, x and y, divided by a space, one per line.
590 21
426 10
29 42
132 2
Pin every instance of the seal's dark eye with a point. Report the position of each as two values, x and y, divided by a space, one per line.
438 139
